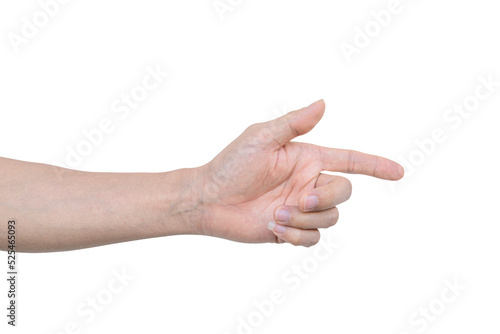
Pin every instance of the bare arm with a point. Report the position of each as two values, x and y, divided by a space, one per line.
61 209
262 187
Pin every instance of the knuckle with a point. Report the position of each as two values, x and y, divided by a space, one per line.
262 133
295 241
295 238
313 240
252 128
256 130
346 187
349 189
335 218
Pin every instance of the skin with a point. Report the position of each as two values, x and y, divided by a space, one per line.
262 187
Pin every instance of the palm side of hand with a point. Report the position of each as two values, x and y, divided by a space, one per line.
249 189
262 170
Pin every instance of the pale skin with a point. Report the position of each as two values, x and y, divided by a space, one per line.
263 187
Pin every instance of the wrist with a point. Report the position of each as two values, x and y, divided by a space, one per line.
181 202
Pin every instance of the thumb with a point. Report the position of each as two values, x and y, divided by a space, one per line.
296 123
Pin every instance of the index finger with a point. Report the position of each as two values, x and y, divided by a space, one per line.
354 162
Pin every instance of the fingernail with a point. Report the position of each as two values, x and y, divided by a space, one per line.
311 202
276 228
283 215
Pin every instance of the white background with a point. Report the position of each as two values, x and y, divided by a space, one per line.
397 245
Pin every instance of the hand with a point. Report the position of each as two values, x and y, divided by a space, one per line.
264 188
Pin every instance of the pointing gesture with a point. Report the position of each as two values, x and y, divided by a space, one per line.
264 187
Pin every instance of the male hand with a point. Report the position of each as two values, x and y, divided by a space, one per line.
264 188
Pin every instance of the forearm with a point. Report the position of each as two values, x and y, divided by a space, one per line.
60 209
